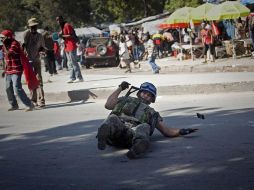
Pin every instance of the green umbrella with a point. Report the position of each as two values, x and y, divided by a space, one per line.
227 10
200 12
182 15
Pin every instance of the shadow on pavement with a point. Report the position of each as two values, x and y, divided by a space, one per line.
219 156
58 105
85 94
77 95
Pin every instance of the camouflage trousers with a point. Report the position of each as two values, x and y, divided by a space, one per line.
124 135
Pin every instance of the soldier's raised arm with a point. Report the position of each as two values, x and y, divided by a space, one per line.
113 98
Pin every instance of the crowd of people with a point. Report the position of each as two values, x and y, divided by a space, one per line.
35 47
135 46
167 41
64 50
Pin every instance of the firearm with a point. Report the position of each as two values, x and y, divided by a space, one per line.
131 90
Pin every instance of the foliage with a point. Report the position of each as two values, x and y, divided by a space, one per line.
11 17
15 13
128 10
172 5
100 13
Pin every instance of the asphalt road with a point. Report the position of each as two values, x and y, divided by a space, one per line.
55 148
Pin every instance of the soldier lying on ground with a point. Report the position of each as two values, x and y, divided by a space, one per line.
132 121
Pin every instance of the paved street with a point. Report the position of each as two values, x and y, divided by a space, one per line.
55 148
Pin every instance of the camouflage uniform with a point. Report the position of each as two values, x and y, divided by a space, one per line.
130 125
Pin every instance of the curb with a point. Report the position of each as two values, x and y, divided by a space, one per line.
103 93
203 68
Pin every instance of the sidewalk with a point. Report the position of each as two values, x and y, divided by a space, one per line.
172 65
100 82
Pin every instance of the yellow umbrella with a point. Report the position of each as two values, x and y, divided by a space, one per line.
182 15
227 10
200 12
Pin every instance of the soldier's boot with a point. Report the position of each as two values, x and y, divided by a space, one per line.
137 150
103 133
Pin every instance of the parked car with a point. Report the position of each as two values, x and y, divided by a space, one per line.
101 51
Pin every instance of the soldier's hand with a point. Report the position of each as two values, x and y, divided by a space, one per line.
3 74
187 131
124 85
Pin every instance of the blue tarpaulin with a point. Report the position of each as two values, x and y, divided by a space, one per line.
230 28
212 1
245 2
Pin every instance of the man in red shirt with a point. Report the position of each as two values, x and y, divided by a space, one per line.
69 37
13 71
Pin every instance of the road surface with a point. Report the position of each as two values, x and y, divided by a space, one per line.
55 148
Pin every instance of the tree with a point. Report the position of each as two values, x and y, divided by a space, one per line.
100 12
128 10
76 11
14 14
172 5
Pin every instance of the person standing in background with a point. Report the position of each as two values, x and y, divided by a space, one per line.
68 35
49 52
208 43
57 50
152 53
168 41
124 54
80 53
240 29
13 72
33 46
63 56
157 40
251 29
1 56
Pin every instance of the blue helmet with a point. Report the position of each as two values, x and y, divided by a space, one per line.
149 87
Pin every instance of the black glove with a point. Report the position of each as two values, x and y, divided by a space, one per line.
124 85
187 131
